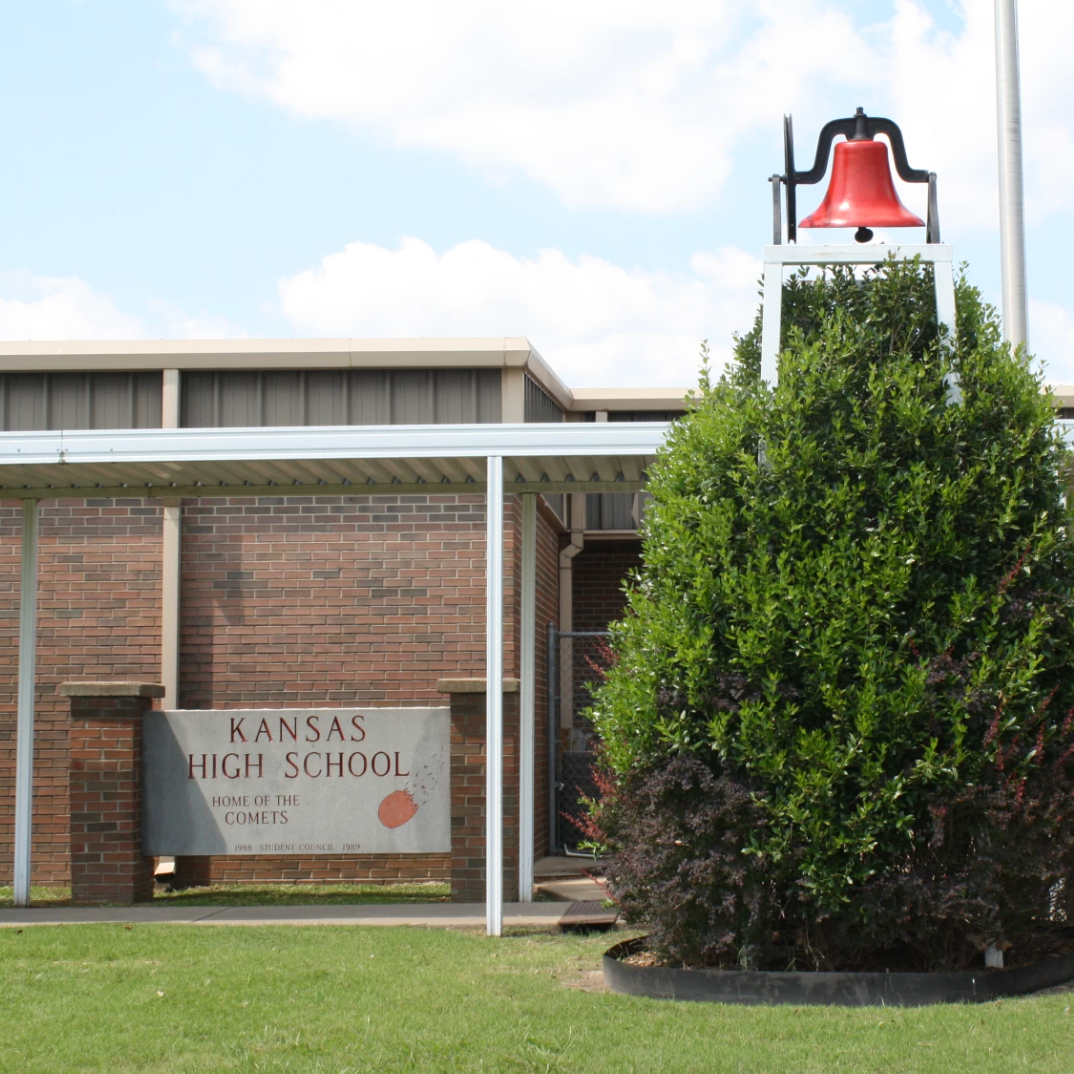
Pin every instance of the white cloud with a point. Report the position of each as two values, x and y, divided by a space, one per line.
643 106
621 104
47 308
178 324
597 323
941 88
41 307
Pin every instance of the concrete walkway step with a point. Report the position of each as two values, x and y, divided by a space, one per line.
566 867
588 915
580 889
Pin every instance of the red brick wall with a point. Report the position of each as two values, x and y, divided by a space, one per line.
285 603
321 868
325 601
599 571
512 592
330 600
468 776
107 864
98 618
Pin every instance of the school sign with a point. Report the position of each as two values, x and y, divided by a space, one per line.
297 781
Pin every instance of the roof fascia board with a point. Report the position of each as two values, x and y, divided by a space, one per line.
584 399
493 352
546 377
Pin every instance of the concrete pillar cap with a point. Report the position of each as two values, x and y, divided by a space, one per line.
111 689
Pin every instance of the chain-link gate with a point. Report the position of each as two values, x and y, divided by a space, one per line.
577 661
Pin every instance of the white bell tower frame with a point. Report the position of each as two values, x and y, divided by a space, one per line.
939 255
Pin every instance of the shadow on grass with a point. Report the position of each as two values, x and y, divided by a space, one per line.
38 896
267 895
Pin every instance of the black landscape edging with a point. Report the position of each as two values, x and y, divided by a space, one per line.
828 989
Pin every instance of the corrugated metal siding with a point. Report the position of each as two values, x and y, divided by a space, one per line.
95 400
609 511
539 405
644 415
343 397
615 510
555 500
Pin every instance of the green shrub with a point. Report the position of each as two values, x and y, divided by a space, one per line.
856 603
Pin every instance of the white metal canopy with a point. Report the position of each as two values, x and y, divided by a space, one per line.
571 457
378 460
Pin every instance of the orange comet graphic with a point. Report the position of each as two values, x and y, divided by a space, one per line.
397 809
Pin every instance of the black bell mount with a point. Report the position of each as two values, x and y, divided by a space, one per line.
858 128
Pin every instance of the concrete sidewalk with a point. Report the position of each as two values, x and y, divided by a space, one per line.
420 915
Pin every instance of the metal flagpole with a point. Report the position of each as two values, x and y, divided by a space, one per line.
1011 197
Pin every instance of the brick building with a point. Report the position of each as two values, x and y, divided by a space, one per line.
278 599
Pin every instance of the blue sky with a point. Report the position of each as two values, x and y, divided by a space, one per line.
591 176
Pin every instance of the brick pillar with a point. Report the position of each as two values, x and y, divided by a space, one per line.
105 791
468 698
192 872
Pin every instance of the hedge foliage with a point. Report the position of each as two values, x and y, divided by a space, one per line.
840 719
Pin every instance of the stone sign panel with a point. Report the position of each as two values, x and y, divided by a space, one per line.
297 781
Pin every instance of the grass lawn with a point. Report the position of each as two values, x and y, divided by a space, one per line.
181 999
267 895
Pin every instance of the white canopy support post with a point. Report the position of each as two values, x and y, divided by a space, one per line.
528 697
24 751
771 316
944 278
494 696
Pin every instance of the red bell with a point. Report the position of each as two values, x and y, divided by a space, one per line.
861 193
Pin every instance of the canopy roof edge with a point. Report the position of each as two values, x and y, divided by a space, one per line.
326 460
